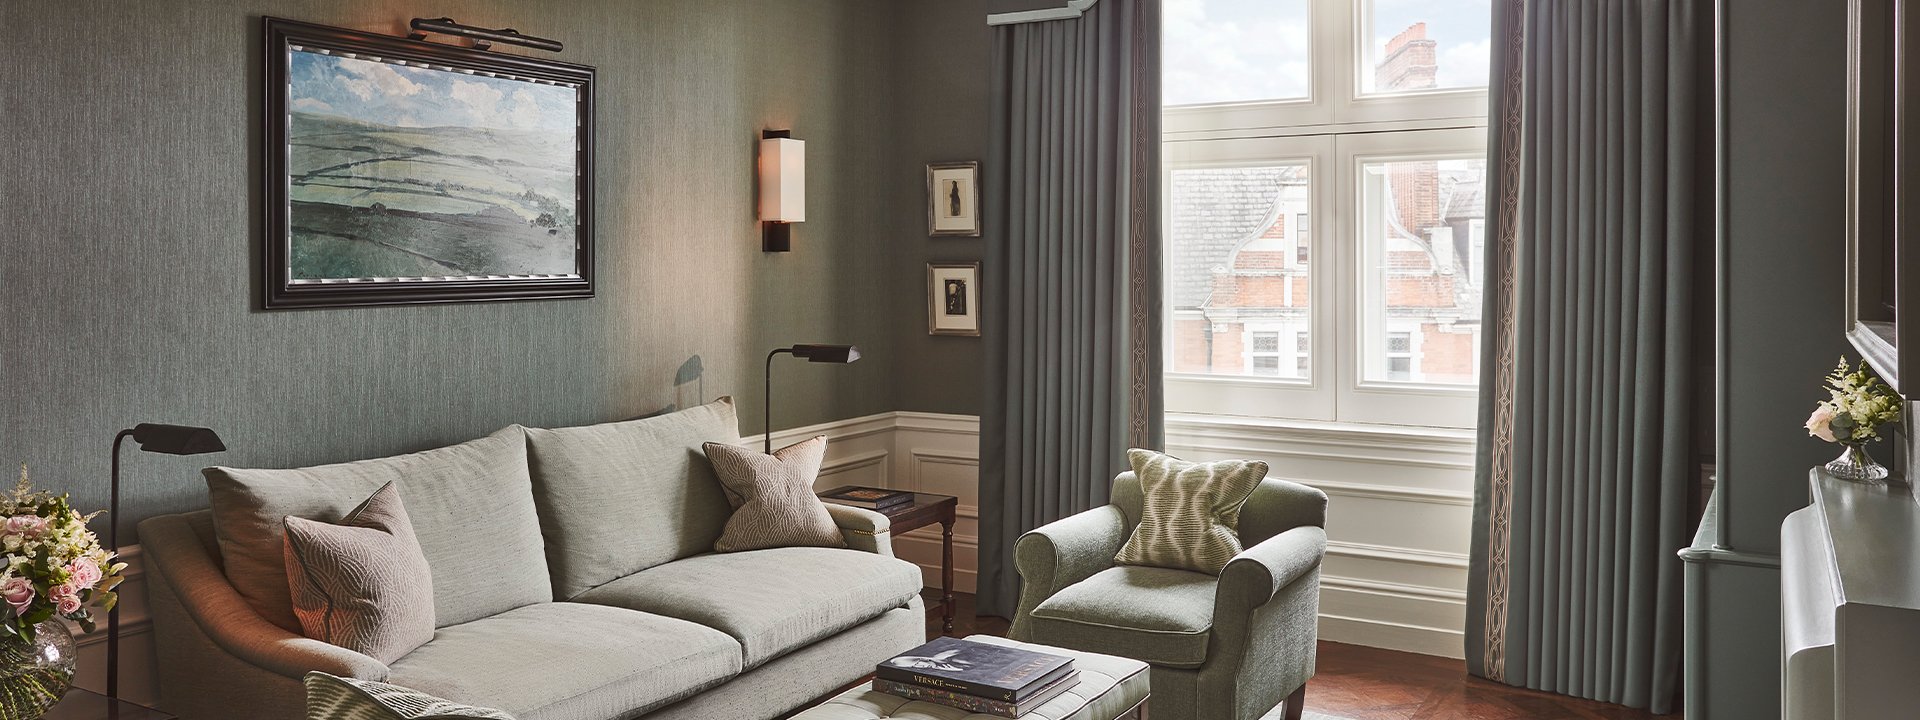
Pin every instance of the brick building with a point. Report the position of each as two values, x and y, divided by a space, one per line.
1240 301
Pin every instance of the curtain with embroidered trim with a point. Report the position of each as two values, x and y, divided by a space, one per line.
1586 433
1072 278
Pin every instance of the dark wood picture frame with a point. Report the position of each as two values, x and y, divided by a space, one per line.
280 291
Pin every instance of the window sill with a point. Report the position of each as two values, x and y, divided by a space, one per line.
1400 436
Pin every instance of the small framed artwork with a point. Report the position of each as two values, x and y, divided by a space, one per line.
400 171
953 199
953 299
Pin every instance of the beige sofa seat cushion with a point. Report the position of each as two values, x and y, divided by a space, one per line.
772 601
1159 615
471 506
619 498
570 661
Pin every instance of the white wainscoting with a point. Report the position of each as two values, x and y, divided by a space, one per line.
1401 504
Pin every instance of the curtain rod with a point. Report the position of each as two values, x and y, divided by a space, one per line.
1074 9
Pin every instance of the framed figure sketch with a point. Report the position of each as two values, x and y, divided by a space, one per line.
953 199
953 299
400 171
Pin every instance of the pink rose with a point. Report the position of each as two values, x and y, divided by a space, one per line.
28 525
66 599
18 592
1819 424
83 573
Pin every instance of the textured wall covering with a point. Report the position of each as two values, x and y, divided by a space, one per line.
125 282
942 116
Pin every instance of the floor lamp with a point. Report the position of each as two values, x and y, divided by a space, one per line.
838 354
153 438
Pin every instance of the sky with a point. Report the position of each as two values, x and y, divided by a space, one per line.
1240 50
404 96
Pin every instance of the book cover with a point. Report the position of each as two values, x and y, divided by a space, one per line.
977 704
995 672
866 497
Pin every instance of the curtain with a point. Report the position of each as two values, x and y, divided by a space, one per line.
1071 281
1590 353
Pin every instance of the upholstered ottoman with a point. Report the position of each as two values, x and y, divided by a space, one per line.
1110 688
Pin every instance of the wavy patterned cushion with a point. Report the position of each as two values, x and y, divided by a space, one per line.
1190 519
362 584
338 698
772 497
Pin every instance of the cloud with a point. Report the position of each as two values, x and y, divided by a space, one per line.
1235 52
312 105
481 100
369 78
524 111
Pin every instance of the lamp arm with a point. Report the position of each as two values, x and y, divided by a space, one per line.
113 546
766 404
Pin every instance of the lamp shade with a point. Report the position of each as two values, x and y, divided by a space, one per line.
783 180
841 354
176 439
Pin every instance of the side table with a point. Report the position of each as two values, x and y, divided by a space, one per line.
927 509
88 705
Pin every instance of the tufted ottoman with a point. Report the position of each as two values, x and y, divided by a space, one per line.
1111 688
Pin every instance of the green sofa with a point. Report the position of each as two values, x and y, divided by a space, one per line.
1231 647
571 578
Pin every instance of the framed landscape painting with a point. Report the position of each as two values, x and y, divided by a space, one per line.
401 171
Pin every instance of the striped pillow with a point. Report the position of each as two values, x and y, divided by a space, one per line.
772 497
1191 518
363 584
338 698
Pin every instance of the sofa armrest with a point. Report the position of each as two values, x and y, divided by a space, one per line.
1259 573
175 553
1062 553
863 529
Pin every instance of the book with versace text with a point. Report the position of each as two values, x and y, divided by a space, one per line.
994 672
977 704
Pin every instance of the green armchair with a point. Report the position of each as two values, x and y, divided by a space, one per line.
1231 647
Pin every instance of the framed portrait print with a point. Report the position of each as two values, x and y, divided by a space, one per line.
402 171
953 199
953 299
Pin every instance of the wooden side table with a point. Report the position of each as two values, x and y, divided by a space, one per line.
927 509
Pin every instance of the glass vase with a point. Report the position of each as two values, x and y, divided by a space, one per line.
36 674
1854 464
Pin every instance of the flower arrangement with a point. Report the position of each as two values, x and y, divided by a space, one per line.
1858 404
54 566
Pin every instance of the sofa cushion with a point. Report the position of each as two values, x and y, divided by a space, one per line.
336 698
362 584
1192 511
622 497
472 510
772 497
1158 615
568 661
772 601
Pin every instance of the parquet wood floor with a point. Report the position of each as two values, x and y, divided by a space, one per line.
1363 683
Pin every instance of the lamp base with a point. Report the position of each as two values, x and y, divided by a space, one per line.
776 237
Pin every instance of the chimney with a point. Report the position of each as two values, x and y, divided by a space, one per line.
1409 62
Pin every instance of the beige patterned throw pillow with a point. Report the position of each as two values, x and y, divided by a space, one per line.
772 497
362 584
1191 519
338 698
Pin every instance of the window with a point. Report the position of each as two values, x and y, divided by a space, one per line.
1324 166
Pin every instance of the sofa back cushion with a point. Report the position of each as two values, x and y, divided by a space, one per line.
471 506
622 497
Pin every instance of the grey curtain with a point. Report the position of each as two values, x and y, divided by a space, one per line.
1071 279
1588 401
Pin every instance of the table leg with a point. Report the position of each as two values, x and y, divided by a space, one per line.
946 574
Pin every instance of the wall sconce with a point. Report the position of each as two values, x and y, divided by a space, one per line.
783 188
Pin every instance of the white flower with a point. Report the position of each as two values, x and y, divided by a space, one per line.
1819 423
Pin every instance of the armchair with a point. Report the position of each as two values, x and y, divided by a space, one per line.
1221 648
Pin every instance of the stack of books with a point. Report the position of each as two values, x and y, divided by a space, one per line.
866 497
976 677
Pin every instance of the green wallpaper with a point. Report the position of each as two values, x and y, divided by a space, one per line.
125 282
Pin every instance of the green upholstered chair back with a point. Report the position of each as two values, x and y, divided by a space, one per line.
1275 507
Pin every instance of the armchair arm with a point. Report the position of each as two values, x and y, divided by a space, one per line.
177 556
863 529
1259 573
1064 552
